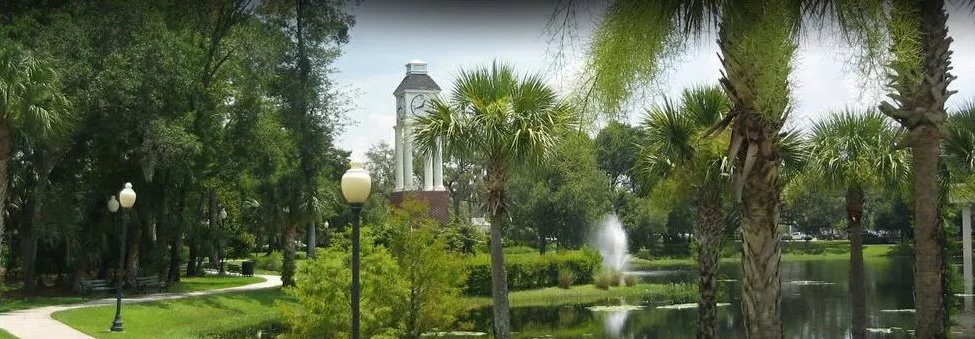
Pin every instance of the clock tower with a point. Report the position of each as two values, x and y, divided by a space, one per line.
413 97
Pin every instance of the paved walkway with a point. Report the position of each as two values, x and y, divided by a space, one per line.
38 323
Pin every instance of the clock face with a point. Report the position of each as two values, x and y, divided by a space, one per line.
417 104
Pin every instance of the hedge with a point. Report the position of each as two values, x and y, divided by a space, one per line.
531 270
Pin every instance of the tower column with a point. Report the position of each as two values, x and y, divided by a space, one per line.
428 172
398 155
407 132
438 166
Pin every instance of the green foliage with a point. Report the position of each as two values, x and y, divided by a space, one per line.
562 199
605 279
324 287
854 149
495 115
616 152
566 277
531 270
434 275
630 280
270 262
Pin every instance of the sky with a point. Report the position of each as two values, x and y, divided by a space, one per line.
450 35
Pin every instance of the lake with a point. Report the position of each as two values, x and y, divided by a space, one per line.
815 304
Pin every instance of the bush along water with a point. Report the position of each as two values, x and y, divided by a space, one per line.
532 270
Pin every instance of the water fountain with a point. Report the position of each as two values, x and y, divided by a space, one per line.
610 239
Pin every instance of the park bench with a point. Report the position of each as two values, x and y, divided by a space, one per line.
233 268
147 283
90 286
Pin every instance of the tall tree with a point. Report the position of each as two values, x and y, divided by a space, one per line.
561 199
918 74
316 29
675 150
32 106
757 42
851 152
505 122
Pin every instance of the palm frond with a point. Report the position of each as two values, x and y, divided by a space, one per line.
855 148
30 96
495 114
958 148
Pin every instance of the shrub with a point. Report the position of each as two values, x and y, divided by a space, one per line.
270 262
616 278
603 280
323 294
643 253
565 278
630 280
519 250
531 270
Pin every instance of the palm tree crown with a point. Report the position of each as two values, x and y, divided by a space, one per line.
855 149
496 116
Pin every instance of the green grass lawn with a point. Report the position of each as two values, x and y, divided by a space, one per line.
193 284
6 335
187 284
869 252
586 294
181 318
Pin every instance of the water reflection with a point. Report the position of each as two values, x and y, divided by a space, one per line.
815 304
614 322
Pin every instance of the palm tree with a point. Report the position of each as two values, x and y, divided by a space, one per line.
959 147
31 105
505 122
757 41
919 78
851 152
676 151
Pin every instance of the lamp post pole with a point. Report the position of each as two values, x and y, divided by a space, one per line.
117 323
356 211
356 184
126 200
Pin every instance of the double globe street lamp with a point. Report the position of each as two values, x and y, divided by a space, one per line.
126 198
356 184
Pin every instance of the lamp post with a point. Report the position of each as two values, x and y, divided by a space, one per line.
126 200
356 184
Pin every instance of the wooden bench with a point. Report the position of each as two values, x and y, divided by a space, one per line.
90 286
233 268
147 283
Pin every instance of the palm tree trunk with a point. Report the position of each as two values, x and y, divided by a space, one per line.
761 288
312 241
499 277
288 264
710 223
932 318
858 287
755 133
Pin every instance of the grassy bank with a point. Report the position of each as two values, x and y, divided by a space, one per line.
188 284
6 335
586 294
835 252
181 318
226 313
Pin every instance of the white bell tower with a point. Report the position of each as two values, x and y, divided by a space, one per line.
412 99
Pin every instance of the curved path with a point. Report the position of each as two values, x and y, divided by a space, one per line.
38 323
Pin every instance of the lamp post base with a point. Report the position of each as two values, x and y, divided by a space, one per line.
117 325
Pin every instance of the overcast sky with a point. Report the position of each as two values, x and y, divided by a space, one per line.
451 35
